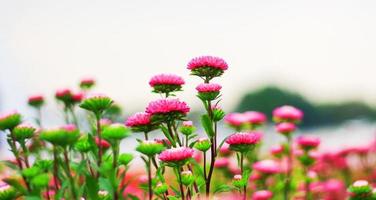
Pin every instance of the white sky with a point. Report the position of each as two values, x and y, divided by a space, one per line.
326 49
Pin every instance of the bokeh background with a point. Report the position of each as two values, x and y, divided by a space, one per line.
316 55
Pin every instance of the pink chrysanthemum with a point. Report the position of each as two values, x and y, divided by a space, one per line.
187 123
285 127
277 150
208 87
267 166
262 195
287 112
308 141
244 138
165 106
176 154
61 93
138 119
36 100
221 162
236 119
166 79
255 117
87 81
207 61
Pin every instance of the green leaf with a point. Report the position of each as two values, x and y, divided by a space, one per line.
16 184
92 187
105 184
207 124
168 136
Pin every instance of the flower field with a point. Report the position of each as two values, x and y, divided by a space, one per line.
177 157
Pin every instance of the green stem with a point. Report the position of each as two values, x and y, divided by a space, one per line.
69 175
56 169
289 167
242 171
100 149
180 183
149 179
115 152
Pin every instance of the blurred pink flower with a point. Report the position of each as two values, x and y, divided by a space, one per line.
255 117
285 127
208 87
165 106
207 61
187 123
262 195
277 150
221 162
166 79
308 142
138 119
287 112
176 154
267 167
236 119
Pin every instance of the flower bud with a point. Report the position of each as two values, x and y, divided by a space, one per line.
187 128
203 144
9 120
187 178
285 128
218 114
40 181
160 188
238 181
64 136
115 132
83 144
360 190
125 158
23 132
97 104
7 192
150 148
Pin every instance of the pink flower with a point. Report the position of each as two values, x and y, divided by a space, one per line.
236 119
104 144
63 93
360 183
105 122
36 100
277 150
225 149
8 114
176 154
255 117
221 162
87 81
243 138
287 112
138 119
188 123
165 106
262 195
78 97
208 87
308 142
267 166
69 127
207 61
285 127
166 79
238 177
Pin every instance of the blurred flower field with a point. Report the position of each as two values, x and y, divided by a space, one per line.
175 158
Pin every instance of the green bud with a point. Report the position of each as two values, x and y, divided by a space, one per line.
203 144
150 148
40 181
238 181
218 114
7 193
360 190
104 195
83 144
44 165
160 188
187 178
125 158
96 104
22 132
67 135
115 132
306 160
31 172
187 128
9 120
